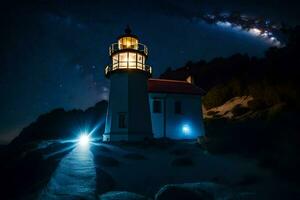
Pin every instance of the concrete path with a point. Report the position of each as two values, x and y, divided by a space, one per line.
74 178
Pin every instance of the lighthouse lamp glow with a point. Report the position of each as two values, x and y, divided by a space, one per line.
84 139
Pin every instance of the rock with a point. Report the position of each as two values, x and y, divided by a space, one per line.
122 195
170 192
248 179
179 152
107 161
104 181
197 191
104 149
134 156
183 162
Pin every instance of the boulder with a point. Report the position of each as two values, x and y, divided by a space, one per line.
170 192
104 181
184 161
106 161
122 195
134 156
199 191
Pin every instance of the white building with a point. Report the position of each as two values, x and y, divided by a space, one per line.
176 109
140 107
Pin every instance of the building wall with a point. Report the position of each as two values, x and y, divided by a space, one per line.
126 95
187 125
118 102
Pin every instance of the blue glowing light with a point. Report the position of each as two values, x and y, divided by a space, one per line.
84 139
186 129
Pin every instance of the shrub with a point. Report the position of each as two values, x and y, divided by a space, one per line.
202 141
238 110
217 96
213 113
256 104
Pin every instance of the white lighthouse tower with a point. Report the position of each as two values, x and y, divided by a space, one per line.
128 115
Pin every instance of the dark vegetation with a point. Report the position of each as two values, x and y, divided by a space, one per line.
61 124
272 79
239 110
269 132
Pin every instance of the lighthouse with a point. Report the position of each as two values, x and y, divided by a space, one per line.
128 114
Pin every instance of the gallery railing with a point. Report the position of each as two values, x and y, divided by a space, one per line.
128 66
116 47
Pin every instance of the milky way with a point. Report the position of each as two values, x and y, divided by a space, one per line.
255 26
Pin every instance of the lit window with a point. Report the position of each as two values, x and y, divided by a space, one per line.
123 60
177 107
156 106
140 61
122 120
132 60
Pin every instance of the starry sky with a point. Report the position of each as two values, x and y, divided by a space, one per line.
53 53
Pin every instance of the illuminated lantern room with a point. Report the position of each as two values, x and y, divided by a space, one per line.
128 54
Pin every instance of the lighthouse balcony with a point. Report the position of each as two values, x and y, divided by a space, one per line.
127 67
117 47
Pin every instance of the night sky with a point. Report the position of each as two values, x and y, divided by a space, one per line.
53 53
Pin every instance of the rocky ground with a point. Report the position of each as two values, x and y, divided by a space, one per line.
149 170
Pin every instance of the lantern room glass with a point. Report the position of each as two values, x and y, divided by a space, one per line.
128 60
128 43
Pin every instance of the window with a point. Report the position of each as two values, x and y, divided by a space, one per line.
140 61
156 106
132 60
122 120
177 108
123 58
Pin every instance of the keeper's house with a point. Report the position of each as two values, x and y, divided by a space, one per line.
175 109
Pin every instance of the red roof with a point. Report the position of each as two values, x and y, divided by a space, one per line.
173 86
